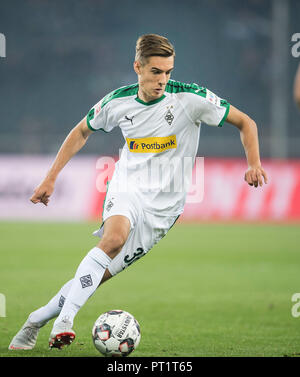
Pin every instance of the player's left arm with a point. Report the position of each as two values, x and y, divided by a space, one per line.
255 175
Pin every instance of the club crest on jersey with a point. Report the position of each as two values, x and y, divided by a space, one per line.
151 144
169 117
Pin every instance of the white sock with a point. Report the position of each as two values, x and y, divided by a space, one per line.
87 278
53 308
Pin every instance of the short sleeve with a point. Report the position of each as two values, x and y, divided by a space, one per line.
205 106
98 118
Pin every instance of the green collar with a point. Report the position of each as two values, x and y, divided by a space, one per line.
150 102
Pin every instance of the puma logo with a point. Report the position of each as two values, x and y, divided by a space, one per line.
131 119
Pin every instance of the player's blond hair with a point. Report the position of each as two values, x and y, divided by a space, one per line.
152 45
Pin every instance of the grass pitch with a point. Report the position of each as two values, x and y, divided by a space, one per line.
204 290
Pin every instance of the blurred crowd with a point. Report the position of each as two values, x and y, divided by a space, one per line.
63 56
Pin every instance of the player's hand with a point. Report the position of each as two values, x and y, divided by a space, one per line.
43 192
255 176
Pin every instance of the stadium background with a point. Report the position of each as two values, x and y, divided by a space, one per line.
62 57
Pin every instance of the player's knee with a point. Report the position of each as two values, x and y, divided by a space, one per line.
112 244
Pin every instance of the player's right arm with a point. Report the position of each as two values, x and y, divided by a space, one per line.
75 140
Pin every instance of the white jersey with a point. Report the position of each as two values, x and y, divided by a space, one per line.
161 140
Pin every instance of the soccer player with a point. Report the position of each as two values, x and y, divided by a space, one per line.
160 120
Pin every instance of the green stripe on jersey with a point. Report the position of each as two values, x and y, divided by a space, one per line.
227 105
89 117
179 87
124 91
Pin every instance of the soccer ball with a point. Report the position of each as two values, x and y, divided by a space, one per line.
116 333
